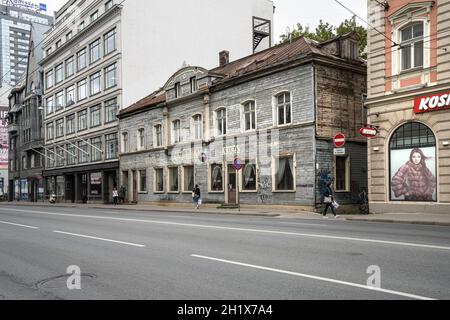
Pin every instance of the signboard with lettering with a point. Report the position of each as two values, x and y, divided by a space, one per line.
368 132
27 5
434 102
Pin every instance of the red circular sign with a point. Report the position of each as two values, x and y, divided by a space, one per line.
237 164
339 140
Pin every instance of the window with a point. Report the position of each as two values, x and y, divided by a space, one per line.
158 136
81 59
159 180
94 16
96 147
59 128
188 178
70 67
32 161
413 164
94 49
283 110
108 5
96 116
249 116
59 100
197 127
58 44
96 183
82 120
221 118
24 163
69 36
81 90
70 96
216 177
59 73
177 90
50 106
82 152
71 154
412 46
50 133
142 180
60 157
110 42
110 76
95 83
49 79
248 177
141 139
111 110
342 174
176 131
284 174
173 179
70 124
193 84
111 146
49 51
50 158
81 26
124 142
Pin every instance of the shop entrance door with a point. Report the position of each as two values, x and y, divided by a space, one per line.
232 185
70 188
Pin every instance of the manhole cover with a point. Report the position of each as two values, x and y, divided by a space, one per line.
354 254
61 281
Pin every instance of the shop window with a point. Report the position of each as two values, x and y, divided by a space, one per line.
142 180
173 180
248 177
284 174
216 177
188 178
342 174
412 152
96 183
159 180
60 188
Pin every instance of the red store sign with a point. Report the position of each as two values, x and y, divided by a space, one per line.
433 102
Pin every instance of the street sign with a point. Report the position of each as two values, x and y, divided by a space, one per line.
339 140
339 152
237 164
368 132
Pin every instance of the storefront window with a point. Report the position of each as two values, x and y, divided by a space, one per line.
96 184
249 177
413 164
216 177
60 187
24 190
159 180
188 178
173 179
284 174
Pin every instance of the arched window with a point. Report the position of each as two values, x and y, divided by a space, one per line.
412 152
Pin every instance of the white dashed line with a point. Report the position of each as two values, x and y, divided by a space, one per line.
101 239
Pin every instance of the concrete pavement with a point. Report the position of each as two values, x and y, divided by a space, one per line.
268 211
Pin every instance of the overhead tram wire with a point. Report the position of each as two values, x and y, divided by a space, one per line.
31 50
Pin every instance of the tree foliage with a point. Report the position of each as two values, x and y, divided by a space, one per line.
325 31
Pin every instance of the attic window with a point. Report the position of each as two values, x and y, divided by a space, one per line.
193 82
353 50
177 90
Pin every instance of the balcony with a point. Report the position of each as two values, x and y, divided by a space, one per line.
13 129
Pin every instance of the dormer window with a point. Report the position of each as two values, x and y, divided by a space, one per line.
177 90
193 82
412 46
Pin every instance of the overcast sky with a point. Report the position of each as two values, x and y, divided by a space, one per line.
289 12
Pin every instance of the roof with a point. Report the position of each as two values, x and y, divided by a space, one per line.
152 99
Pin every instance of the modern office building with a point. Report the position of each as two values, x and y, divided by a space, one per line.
409 103
15 28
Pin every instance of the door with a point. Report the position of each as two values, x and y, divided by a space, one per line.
135 185
232 185
83 187
70 188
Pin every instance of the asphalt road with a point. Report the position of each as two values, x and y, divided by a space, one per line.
142 255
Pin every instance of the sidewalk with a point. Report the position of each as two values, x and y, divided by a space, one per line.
282 211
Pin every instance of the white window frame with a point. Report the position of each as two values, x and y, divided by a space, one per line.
168 179
274 161
193 123
243 113
140 145
216 124
275 108
163 181
210 165
183 168
155 136
124 148
173 136
139 189
240 175
347 173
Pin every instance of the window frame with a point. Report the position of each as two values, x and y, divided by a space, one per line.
194 128
216 121
244 114
183 172
241 176
140 139
347 174
277 107
169 180
155 190
210 171
93 78
139 171
155 136
275 160
175 130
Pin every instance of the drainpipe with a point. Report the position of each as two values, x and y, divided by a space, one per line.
206 113
316 164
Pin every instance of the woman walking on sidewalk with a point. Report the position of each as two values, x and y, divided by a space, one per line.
196 194
328 199
115 195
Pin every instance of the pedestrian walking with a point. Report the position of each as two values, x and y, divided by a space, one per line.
328 199
196 196
115 195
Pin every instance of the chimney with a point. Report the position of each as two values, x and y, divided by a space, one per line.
224 58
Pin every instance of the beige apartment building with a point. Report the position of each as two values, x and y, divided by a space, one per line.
409 103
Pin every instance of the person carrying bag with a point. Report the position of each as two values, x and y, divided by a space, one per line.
196 196
329 201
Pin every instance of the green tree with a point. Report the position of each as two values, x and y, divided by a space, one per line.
326 31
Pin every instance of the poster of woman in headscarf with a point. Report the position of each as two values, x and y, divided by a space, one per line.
413 174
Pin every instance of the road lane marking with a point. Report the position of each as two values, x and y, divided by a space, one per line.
101 239
320 236
18 225
304 224
351 284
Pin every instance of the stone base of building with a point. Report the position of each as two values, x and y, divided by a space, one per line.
383 207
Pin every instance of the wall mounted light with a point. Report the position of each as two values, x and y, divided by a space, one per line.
376 149
446 143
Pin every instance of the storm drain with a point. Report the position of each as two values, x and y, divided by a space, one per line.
61 281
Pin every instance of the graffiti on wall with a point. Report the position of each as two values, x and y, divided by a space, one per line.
264 190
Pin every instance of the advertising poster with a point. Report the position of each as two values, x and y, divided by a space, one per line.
3 138
413 174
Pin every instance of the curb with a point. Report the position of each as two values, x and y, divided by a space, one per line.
162 209
429 223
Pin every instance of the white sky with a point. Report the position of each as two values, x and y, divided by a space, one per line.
289 12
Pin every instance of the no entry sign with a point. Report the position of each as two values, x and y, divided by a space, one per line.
339 140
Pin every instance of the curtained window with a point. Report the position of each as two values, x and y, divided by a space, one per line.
284 174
